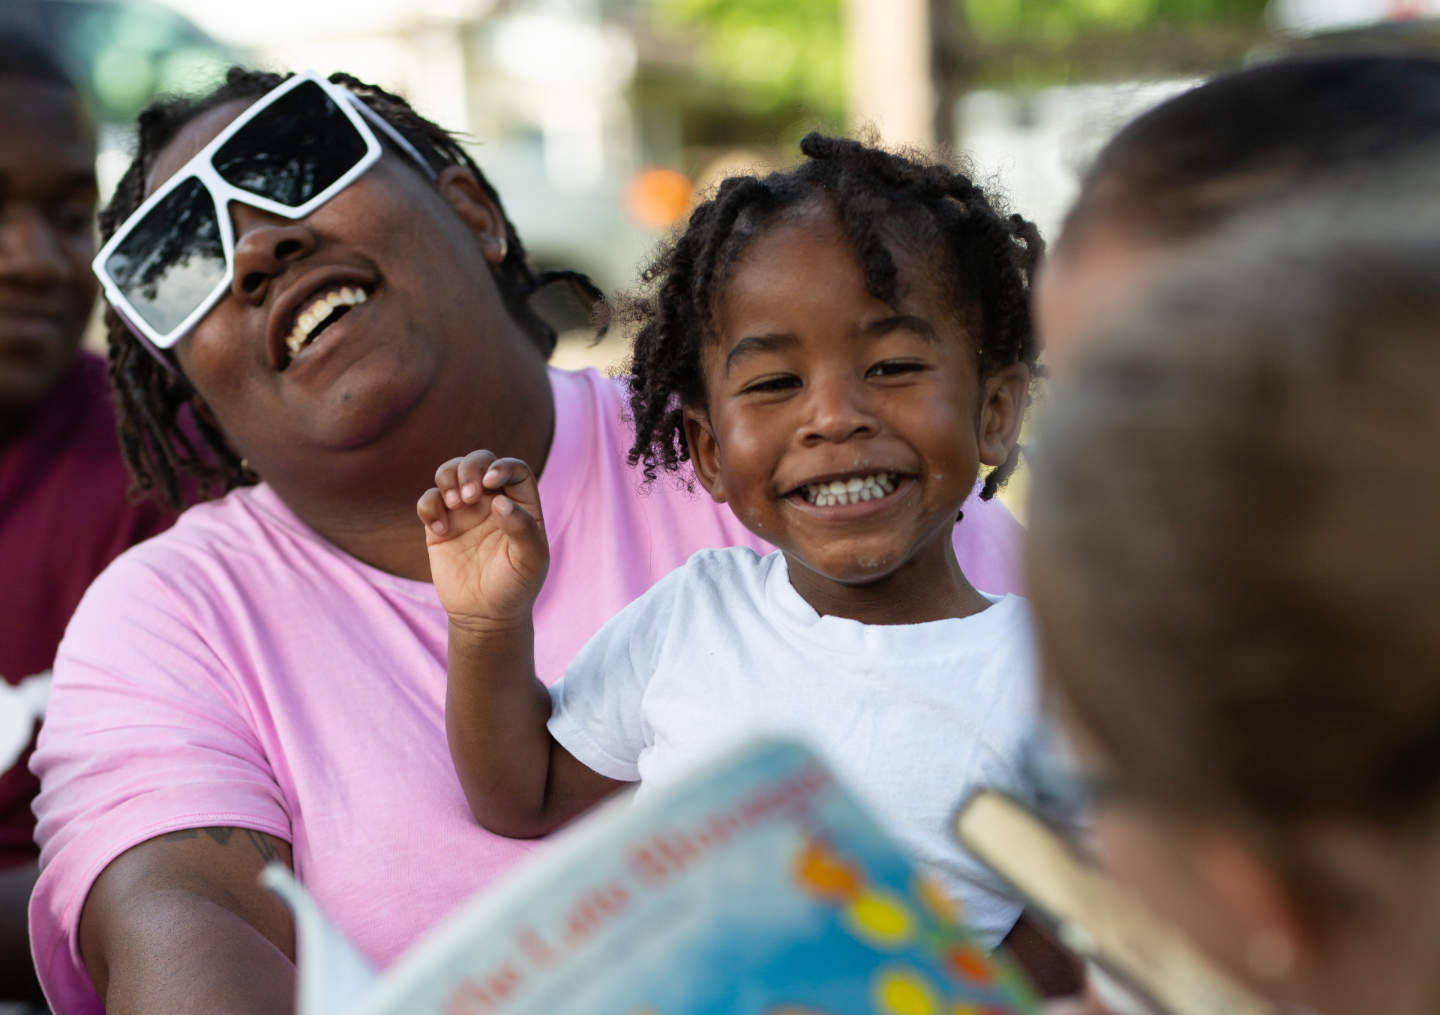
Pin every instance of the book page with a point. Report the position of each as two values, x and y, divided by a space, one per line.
332 978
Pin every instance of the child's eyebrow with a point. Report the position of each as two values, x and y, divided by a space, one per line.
768 342
909 322
771 341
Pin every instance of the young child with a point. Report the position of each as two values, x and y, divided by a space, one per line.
836 350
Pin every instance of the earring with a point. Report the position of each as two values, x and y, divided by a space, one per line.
504 248
1269 954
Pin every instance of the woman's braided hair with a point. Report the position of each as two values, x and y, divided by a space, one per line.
161 433
884 201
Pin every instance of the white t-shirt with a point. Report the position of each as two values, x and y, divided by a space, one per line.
912 716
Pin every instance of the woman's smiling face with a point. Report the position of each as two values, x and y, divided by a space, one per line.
843 430
432 324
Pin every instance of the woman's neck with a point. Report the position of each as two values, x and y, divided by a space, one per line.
929 586
366 507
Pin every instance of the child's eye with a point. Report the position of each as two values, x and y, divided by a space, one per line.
893 367
778 382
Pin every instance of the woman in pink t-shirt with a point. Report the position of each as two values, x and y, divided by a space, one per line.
267 679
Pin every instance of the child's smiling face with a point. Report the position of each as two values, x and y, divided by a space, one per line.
811 381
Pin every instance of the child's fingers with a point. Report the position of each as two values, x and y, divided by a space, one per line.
447 481
432 512
469 474
515 478
522 528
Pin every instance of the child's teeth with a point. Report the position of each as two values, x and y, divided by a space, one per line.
850 491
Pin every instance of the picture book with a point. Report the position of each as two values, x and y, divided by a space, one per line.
757 886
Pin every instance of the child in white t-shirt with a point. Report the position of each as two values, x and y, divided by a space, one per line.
837 350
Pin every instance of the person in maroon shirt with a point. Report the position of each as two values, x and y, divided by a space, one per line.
64 513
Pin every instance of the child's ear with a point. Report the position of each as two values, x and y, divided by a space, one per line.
1003 412
704 452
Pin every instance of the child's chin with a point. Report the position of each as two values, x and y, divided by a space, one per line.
857 569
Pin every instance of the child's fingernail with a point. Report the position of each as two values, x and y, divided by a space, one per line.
469 491
438 527
452 499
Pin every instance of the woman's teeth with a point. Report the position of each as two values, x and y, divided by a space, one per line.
320 310
849 491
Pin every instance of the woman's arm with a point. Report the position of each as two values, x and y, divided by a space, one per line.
180 923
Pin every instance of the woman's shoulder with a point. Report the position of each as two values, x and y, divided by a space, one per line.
214 527
210 545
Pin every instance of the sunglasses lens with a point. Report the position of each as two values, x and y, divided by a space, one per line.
172 260
293 149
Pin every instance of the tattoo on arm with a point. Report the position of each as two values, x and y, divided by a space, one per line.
221 836
262 845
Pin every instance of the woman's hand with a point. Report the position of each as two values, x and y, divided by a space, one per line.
486 538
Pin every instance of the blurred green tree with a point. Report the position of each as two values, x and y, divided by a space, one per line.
1052 41
767 54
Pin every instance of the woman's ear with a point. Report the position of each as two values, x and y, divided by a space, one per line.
1003 412
704 453
463 192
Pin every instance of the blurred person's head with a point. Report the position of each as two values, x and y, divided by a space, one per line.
421 239
1236 580
1225 150
47 213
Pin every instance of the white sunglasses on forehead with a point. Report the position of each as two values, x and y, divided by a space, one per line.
292 150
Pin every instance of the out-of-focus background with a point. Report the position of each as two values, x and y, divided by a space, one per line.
600 121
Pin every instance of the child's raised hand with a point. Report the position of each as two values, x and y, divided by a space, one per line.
486 538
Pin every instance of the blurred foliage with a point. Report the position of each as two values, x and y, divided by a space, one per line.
122 55
1037 42
1062 21
768 54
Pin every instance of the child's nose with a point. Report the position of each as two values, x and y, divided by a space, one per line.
838 410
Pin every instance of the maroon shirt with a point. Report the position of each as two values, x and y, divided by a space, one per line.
63 517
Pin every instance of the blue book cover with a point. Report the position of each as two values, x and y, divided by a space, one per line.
758 886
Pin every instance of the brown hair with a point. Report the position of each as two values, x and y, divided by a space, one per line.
1234 561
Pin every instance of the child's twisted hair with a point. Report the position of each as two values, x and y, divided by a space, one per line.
882 200
150 400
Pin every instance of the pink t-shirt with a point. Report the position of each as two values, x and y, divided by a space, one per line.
239 670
